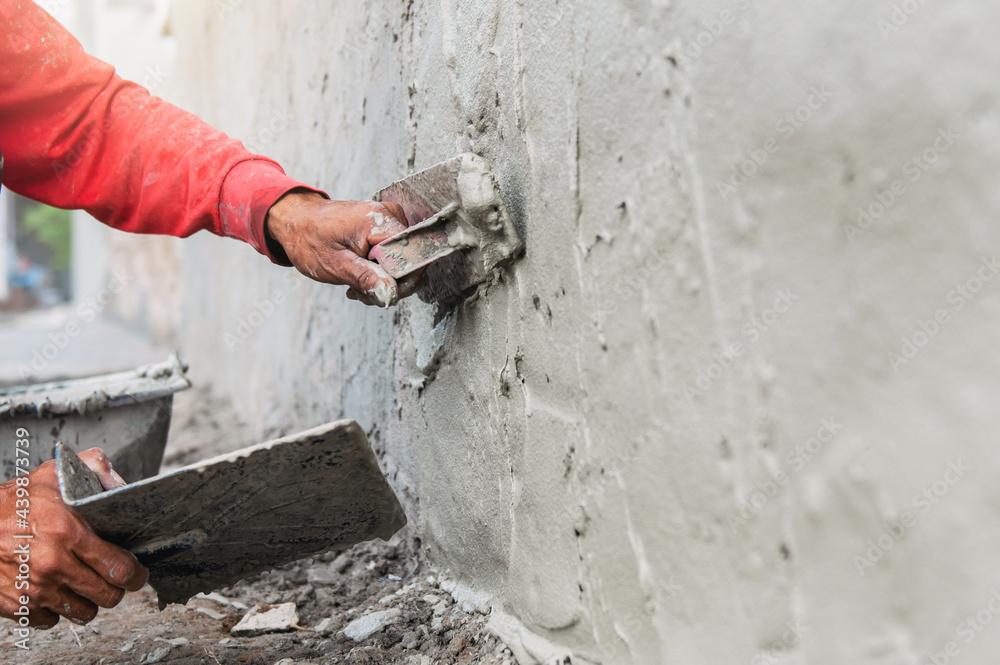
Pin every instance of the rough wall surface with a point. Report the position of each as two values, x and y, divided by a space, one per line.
674 432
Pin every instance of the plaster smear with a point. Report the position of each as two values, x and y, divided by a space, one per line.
549 453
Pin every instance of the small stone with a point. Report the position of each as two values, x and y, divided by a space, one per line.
386 600
431 599
218 598
263 619
218 616
176 642
304 592
322 576
341 563
155 656
127 646
410 640
368 625
324 627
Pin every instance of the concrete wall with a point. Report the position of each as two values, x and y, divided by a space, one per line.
674 432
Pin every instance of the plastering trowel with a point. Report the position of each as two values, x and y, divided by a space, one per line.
216 522
459 229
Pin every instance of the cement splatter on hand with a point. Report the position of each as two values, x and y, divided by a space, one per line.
385 291
378 218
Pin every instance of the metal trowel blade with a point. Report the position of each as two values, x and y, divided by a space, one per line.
460 228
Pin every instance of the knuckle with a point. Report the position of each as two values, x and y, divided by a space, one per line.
45 566
65 530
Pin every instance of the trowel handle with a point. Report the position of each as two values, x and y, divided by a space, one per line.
418 246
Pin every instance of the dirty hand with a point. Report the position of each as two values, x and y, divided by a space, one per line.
329 241
72 571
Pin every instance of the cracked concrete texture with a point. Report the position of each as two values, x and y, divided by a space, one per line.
673 428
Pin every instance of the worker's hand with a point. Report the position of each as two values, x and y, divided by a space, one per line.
329 241
72 571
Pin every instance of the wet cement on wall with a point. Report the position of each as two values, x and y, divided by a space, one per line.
673 432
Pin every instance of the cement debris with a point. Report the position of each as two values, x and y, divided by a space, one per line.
363 628
264 619
137 631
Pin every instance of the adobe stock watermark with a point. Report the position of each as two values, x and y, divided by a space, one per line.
923 501
753 330
53 7
785 129
259 314
91 138
796 460
360 40
777 651
88 143
714 28
967 631
86 313
929 328
279 122
153 78
914 169
900 15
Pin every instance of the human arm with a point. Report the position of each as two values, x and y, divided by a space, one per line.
76 135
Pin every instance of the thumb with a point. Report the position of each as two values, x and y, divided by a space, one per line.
98 462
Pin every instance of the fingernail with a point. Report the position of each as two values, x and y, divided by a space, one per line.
44 627
79 622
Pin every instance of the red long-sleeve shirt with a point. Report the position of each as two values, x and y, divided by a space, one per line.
73 134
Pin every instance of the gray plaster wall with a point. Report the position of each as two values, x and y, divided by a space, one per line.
674 432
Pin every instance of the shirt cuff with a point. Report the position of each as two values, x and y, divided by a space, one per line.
249 191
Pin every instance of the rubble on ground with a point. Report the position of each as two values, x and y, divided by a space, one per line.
347 610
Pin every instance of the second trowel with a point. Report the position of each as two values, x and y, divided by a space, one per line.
213 523
460 231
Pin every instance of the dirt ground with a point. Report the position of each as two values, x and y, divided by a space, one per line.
329 592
